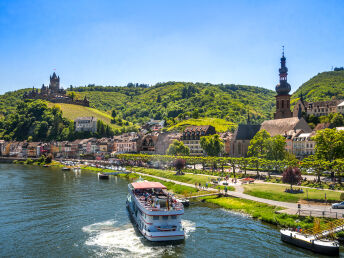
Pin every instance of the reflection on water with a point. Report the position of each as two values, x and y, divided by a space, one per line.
45 212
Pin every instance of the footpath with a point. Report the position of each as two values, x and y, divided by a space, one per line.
289 208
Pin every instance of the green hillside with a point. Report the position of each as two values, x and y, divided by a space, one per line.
177 100
323 86
173 101
220 125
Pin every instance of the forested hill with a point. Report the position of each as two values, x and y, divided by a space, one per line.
180 99
323 86
172 100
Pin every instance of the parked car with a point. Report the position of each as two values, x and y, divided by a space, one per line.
338 205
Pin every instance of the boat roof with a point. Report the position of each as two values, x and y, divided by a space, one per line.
145 185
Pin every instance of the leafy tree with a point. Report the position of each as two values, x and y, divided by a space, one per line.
158 100
113 113
276 148
319 165
329 144
179 164
259 144
178 148
292 176
72 95
212 144
337 119
195 113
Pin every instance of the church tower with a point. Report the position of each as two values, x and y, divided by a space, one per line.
283 89
54 84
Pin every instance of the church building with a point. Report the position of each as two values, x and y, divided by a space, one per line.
283 89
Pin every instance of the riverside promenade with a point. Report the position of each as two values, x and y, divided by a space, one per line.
289 208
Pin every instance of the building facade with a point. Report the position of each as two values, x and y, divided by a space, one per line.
85 124
192 138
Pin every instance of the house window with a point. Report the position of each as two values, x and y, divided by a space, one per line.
282 104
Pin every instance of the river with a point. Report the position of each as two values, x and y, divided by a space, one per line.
45 212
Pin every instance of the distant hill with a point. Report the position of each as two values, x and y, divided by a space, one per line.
323 86
173 101
176 100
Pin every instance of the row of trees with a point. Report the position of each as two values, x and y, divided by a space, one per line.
258 164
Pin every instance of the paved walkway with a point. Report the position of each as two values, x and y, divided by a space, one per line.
290 208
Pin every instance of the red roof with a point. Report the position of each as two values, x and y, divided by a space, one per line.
145 185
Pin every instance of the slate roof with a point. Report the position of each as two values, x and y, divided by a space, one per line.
246 132
280 126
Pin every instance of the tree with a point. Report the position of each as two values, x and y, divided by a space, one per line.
292 176
329 144
72 95
313 162
113 113
276 148
195 113
337 119
259 144
179 164
178 148
212 144
158 99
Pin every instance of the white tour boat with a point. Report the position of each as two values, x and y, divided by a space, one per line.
155 212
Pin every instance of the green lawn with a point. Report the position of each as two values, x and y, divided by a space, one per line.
264 212
276 192
220 125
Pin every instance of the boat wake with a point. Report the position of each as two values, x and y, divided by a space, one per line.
110 239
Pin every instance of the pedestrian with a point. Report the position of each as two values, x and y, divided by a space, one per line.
206 185
226 190
196 185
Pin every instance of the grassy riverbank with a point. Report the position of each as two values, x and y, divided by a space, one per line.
276 192
187 178
264 212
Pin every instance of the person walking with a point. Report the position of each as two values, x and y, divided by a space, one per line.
226 190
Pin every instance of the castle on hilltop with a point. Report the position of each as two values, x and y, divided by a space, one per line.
54 93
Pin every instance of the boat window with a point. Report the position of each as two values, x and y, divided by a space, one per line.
173 217
165 217
155 217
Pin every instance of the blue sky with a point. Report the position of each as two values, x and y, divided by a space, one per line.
110 42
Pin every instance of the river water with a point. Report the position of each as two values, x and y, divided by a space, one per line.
45 212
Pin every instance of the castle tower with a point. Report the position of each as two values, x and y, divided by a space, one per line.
54 84
283 89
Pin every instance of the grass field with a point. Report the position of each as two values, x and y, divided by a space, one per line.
220 125
71 112
276 192
263 212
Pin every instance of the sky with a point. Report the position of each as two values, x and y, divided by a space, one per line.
106 42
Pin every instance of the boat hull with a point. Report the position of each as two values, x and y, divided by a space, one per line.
173 236
328 250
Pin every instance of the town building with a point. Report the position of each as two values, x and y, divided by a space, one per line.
54 93
283 89
85 124
126 143
164 140
281 126
303 145
241 139
148 142
192 135
319 108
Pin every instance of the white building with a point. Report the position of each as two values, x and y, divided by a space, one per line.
86 124
340 108
303 145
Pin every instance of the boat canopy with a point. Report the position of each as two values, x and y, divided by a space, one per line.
145 185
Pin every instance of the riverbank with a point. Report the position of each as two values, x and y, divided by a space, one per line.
264 212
